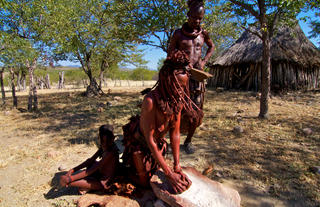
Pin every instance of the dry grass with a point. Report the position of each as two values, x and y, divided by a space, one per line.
268 163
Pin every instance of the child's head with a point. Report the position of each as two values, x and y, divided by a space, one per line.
106 135
195 13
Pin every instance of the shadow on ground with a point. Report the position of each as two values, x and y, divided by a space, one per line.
58 191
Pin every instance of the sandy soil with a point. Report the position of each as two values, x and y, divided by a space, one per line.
268 163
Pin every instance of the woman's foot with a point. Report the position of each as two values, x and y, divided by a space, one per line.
82 191
189 148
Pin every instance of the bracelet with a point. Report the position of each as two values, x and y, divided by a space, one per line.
69 179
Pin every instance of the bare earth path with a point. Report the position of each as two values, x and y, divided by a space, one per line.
268 163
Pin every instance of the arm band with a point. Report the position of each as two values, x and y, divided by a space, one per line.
69 179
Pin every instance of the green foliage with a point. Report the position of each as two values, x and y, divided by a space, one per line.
160 18
71 75
269 14
156 18
314 5
142 74
160 63
222 25
21 27
132 74
90 32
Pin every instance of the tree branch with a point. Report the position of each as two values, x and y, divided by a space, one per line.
160 40
247 7
81 61
252 32
275 21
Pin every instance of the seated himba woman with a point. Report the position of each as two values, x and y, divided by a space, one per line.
97 174
144 135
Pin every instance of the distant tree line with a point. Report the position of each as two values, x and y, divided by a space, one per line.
103 36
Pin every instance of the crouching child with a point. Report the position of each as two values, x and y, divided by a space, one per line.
95 174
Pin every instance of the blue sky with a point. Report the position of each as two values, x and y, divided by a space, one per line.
152 54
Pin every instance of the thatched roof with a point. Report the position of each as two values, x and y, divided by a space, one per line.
290 45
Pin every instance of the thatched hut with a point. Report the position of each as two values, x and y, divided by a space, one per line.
295 62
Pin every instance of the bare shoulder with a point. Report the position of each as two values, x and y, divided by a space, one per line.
148 102
205 33
109 155
177 33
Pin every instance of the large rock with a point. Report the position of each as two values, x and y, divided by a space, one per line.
106 201
203 192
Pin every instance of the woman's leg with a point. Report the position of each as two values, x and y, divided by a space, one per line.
142 168
87 184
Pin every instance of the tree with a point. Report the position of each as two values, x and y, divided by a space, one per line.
268 14
12 56
87 31
3 94
142 74
21 20
224 29
157 20
314 5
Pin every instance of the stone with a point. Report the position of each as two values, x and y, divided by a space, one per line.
52 154
307 131
100 109
62 168
258 96
117 98
203 192
160 203
106 201
219 89
315 169
208 170
203 127
240 111
102 105
239 119
237 130
217 174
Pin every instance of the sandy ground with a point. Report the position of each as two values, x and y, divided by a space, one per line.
261 164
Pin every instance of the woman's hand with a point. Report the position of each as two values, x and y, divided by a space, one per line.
179 181
70 172
177 168
202 63
64 180
185 178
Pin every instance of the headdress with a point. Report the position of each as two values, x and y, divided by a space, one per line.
169 95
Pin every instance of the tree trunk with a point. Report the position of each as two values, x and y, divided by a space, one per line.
13 89
101 78
61 80
18 81
3 93
93 88
47 81
23 81
32 87
265 77
35 98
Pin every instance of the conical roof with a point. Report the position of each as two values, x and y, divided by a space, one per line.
290 45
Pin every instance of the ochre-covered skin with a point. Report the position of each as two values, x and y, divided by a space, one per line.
96 174
160 113
190 39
